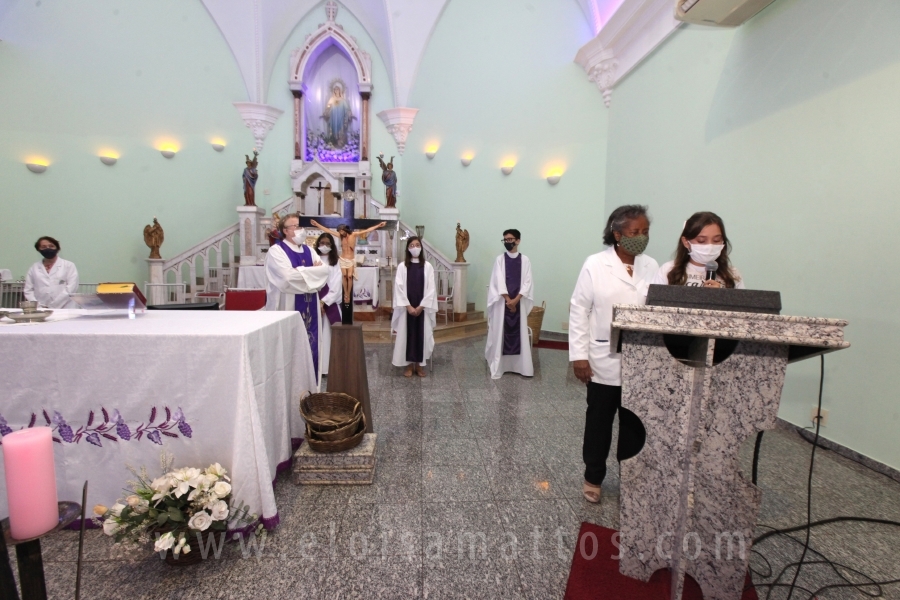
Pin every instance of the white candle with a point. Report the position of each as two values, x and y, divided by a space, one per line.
30 482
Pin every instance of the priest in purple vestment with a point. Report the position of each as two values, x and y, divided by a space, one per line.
510 299
294 278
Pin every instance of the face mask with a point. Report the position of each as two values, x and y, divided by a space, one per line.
634 245
509 245
706 253
48 253
415 252
324 249
299 237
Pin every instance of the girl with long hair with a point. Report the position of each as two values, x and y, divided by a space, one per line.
415 307
331 299
703 242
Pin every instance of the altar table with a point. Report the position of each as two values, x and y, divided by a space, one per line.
206 386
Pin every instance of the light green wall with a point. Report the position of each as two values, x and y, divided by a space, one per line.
787 127
76 77
498 79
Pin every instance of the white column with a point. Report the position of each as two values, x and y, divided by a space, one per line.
156 294
460 290
248 226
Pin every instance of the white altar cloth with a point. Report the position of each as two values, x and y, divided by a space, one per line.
207 386
252 278
365 287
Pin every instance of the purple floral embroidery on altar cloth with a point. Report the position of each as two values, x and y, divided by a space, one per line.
113 428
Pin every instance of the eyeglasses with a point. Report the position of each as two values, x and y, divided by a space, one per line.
291 227
510 240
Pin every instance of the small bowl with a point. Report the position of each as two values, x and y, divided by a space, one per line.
28 306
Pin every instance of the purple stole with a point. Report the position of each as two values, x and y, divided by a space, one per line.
331 310
512 328
306 304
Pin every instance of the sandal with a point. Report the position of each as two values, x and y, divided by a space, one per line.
591 493
408 372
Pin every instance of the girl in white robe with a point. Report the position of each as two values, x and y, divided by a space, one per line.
331 300
413 319
500 362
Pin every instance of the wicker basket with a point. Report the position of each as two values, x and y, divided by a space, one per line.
329 410
535 320
353 441
334 435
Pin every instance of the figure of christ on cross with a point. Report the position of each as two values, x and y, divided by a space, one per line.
347 258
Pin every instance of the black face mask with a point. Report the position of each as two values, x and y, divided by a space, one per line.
509 245
48 253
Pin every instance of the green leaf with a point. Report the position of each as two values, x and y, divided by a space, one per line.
175 514
162 518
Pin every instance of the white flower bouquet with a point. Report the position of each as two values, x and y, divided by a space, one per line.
174 508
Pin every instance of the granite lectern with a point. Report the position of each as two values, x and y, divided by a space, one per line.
684 503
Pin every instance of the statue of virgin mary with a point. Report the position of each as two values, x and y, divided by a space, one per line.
337 116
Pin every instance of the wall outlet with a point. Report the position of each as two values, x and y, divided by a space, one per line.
815 413
565 325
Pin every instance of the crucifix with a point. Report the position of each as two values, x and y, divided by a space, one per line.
347 229
320 189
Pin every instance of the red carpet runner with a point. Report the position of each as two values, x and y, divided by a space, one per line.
599 577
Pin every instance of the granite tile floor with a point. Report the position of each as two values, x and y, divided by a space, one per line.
478 495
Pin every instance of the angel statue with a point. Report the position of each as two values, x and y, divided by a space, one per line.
153 237
273 233
250 176
462 243
389 178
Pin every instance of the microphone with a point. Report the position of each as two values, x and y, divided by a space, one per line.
711 268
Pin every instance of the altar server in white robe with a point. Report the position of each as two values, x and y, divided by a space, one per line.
415 308
52 280
510 299
294 277
330 296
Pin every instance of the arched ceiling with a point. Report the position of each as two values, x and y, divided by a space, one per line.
256 31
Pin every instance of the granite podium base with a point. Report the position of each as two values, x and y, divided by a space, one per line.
350 467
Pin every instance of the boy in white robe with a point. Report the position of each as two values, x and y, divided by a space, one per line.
510 299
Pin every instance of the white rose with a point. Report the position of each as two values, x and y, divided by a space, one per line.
142 507
110 527
219 511
116 509
165 541
217 470
200 521
133 500
100 510
222 489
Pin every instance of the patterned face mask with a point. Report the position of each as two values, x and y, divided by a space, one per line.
634 245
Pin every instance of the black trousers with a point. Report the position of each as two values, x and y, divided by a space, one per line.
602 403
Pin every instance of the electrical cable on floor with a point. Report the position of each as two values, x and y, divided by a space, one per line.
839 569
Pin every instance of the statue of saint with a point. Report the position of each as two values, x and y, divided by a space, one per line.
389 179
153 237
462 243
273 233
250 177
337 116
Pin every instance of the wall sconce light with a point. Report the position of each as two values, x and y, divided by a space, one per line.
430 154
167 153
506 169
108 160
466 159
36 168
553 179
218 144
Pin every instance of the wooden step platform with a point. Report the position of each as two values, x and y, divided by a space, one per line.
379 330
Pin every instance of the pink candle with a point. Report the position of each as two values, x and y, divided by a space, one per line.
30 482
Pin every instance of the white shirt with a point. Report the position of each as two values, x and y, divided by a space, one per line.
696 275
284 280
54 288
603 282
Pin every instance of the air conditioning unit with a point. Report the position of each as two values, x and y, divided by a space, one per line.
718 13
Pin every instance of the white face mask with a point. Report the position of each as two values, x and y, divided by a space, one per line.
299 237
415 252
706 253
324 249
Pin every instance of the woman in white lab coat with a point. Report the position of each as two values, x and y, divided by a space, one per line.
330 296
415 308
703 242
52 280
620 274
